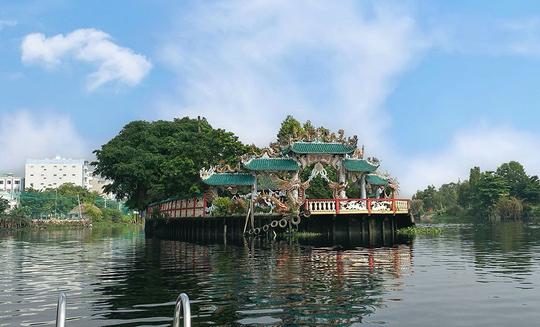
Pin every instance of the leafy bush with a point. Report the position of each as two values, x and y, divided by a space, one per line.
508 207
92 212
110 214
221 206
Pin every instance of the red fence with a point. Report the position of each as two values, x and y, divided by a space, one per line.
177 208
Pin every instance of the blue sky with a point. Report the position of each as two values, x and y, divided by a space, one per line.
430 87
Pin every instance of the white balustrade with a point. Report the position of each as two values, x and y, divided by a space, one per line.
356 206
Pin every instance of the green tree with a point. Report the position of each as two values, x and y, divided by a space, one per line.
490 187
515 177
4 206
290 128
150 161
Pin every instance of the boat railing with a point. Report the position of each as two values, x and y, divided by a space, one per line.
182 306
61 310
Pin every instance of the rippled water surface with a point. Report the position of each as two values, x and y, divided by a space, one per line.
468 276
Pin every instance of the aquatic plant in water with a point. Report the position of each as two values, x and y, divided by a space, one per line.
424 230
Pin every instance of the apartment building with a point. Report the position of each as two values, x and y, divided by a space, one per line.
41 174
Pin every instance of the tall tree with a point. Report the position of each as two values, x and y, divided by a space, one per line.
150 161
290 128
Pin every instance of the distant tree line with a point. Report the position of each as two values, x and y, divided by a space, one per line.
62 203
507 193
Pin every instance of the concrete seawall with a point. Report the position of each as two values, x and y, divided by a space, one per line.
329 229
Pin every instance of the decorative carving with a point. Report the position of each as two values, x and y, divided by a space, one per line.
206 173
337 188
226 168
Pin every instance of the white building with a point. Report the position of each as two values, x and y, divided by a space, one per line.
51 173
10 188
11 184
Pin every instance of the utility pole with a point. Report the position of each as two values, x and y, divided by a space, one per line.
80 210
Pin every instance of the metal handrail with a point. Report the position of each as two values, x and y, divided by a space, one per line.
61 310
182 304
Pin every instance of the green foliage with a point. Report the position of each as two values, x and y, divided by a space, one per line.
318 187
93 212
290 128
424 230
4 206
112 214
221 206
150 161
507 193
417 207
508 208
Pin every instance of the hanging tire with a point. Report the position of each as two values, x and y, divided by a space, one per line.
296 220
274 223
306 213
283 223
265 228
257 231
250 231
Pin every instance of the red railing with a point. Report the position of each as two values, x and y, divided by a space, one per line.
178 208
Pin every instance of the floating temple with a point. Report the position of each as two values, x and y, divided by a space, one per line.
268 194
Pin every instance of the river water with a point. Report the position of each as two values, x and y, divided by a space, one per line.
468 276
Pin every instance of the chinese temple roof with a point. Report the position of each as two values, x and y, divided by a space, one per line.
320 147
376 180
272 164
229 179
359 165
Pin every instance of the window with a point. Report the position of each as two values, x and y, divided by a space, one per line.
17 182
1 182
9 182
64 175
31 174
72 174
54 175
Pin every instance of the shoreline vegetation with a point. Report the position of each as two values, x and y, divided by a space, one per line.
67 206
506 194
10 222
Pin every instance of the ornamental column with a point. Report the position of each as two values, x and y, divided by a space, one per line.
342 179
363 186
296 179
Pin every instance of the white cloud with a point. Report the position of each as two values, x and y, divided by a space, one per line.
484 146
115 63
245 65
25 135
7 23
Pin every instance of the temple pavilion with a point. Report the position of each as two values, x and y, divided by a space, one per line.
277 170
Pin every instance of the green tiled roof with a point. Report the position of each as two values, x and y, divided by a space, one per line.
229 179
358 165
320 147
272 164
376 180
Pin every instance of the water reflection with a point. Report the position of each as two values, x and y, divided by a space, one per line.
119 278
